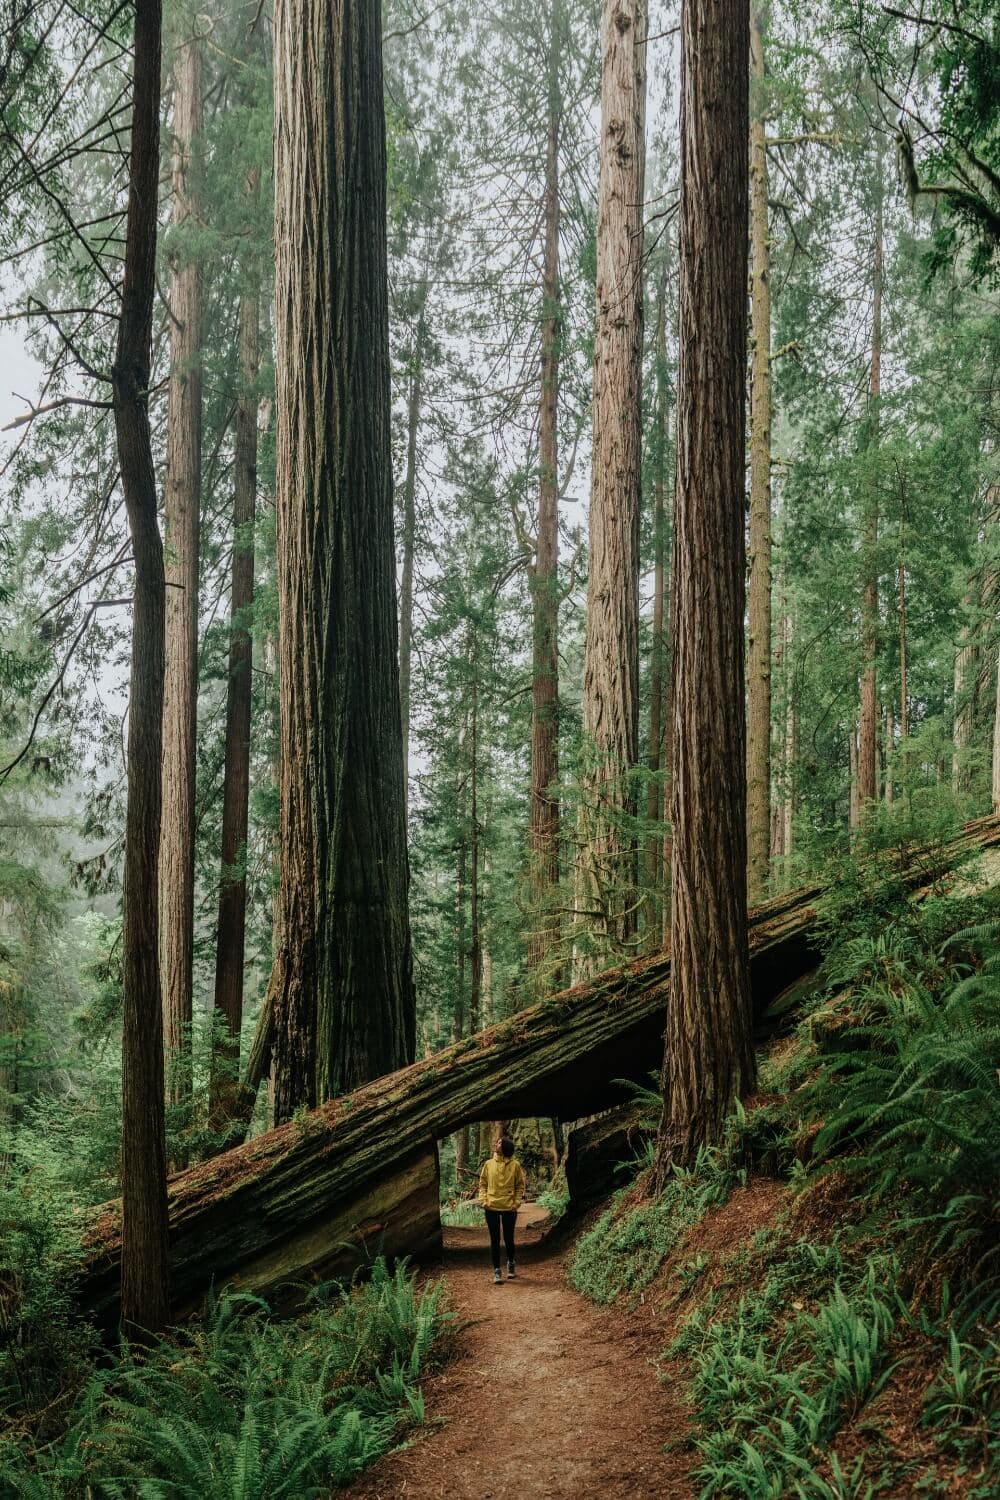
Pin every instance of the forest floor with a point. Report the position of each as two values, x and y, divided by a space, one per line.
548 1397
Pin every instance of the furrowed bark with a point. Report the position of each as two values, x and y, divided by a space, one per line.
343 988
544 572
231 939
142 1269
963 706
606 881
868 716
656 788
759 638
413 409
181 510
709 1059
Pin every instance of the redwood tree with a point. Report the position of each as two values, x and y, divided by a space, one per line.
708 1059
867 782
606 898
181 511
544 571
231 940
759 638
145 1259
342 985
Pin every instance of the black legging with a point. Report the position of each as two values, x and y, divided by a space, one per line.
494 1218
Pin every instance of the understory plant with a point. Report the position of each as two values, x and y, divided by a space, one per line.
625 1248
245 1406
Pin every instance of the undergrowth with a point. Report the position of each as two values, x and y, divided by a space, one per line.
625 1248
243 1406
792 1346
462 1213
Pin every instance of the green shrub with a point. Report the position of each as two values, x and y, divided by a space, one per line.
246 1407
462 1213
624 1250
771 1390
44 1346
963 1405
555 1201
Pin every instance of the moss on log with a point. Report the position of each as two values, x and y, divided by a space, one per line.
275 1208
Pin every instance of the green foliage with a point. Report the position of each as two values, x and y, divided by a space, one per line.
246 1407
773 1381
555 1200
626 1247
462 1213
963 1403
901 1073
43 1344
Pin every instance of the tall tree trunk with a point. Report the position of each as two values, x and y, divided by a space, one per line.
890 744
868 717
607 875
342 986
854 812
544 574
13 1023
966 663
145 1289
995 777
655 790
475 930
182 505
904 687
759 641
413 410
709 1058
231 939
462 1137
787 807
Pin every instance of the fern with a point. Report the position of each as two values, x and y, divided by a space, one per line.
245 1407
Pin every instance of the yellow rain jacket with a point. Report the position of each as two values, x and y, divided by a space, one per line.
501 1183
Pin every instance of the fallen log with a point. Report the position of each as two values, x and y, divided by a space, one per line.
294 1203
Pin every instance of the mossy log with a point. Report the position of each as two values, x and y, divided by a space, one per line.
284 1206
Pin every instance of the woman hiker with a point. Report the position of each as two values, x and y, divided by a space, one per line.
501 1188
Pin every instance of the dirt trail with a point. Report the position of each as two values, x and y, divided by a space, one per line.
548 1397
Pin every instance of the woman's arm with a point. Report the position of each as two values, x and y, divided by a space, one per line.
483 1185
518 1185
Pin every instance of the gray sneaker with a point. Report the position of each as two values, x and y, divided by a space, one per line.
511 1272
497 1278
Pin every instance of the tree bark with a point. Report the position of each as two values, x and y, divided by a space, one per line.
759 639
787 813
995 768
343 986
709 1059
475 927
544 572
413 410
144 1261
607 873
656 788
854 809
182 505
262 1212
966 664
904 702
868 716
231 938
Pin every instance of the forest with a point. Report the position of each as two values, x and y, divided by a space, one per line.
499 663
